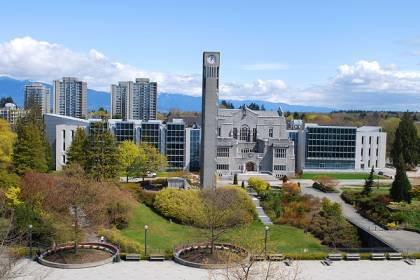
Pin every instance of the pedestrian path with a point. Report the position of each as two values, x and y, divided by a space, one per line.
260 211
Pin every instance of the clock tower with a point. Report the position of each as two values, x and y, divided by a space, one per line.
210 104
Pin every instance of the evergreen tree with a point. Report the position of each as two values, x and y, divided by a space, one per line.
5 100
367 188
77 150
235 179
406 142
102 159
400 189
30 151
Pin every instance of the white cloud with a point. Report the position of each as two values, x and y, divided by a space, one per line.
27 58
265 66
370 76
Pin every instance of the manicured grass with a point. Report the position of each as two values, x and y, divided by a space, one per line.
375 190
163 234
340 176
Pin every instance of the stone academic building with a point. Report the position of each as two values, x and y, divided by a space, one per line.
253 141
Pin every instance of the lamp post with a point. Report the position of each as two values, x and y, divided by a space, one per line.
30 241
146 227
265 240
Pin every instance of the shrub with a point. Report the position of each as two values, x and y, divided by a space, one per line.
186 206
259 185
126 245
183 206
147 197
323 188
291 187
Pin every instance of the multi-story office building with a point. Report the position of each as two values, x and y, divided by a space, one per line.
134 100
152 132
339 147
37 96
192 148
370 147
11 113
253 141
330 147
70 97
60 131
168 138
175 144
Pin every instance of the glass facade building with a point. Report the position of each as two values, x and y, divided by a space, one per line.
195 142
151 133
330 147
125 131
175 145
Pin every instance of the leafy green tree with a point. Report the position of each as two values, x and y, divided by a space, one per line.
77 150
128 154
30 151
7 139
390 125
152 160
401 187
367 188
102 158
406 142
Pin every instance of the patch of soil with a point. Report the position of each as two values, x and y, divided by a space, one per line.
204 256
82 256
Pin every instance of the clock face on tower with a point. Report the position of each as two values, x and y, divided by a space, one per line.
211 59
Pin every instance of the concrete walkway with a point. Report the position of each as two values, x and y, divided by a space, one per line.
168 270
400 240
260 211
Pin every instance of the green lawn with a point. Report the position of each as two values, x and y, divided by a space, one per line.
163 235
375 190
339 176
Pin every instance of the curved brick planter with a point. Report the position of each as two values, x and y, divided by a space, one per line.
113 250
177 254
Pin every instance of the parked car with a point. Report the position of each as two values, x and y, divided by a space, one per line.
151 174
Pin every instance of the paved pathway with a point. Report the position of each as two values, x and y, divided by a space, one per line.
401 240
168 270
260 211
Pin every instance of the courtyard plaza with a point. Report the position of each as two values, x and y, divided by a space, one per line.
169 270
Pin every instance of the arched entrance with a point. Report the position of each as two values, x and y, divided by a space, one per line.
250 166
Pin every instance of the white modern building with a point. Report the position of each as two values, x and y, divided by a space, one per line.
339 147
370 147
168 138
70 97
37 96
134 100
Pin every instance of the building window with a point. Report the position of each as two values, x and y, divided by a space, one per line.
361 153
363 139
64 139
368 163
270 133
222 151
219 131
279 167
370 140
369 151
72 135
377 151
245 133
64 159
280 153
254 135
246 151
235 133
222 166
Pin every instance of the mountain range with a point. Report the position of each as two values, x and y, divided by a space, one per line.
166 101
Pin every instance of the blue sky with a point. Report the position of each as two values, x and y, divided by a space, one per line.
350 54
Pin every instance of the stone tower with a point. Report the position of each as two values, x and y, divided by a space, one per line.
210 104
